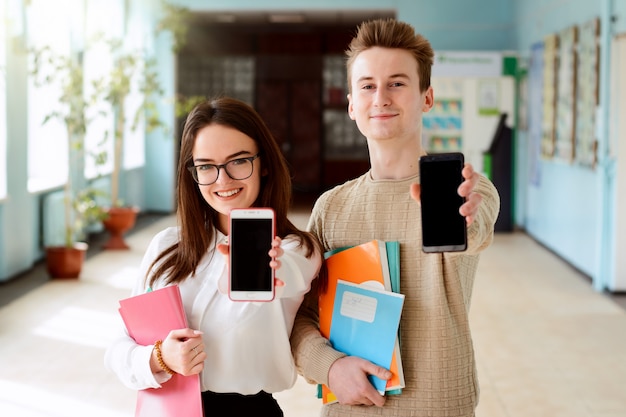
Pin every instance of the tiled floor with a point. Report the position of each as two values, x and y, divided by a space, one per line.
547 345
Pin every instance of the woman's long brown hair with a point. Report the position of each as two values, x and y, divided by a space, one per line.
197 220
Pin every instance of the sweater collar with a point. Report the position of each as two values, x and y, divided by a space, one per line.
407 180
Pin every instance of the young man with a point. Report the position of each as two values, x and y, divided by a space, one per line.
389 70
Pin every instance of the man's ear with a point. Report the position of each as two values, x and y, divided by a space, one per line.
429 100
350 107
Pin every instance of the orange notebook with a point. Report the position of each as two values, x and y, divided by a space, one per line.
150 317
365 264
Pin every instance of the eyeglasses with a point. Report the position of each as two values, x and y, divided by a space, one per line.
237 169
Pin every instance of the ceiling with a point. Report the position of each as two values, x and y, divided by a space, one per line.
312 17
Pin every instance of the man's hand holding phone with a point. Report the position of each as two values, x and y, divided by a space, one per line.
466 190
447 200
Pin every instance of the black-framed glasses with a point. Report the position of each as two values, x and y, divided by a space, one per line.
237 169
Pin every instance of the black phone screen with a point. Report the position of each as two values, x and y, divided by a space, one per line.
250 242
443 227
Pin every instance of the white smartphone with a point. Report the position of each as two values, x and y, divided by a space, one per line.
251 233
443 228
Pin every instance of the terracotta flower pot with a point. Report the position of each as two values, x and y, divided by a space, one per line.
64 262
118 221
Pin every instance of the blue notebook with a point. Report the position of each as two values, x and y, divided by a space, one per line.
365 324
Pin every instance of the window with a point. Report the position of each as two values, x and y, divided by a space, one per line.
47 143
67 30
103 19
3 108
98 61
134 150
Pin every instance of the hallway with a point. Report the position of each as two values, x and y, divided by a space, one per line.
547 344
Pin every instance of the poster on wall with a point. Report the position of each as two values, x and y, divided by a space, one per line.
588 93
535 110
488 97
443 124
566 94
551 43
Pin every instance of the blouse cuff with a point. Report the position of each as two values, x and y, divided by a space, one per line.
141 360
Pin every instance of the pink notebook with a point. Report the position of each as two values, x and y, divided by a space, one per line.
150 317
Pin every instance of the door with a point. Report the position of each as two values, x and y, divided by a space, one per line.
288 97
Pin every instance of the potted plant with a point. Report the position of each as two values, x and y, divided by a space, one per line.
80 207
176 20
129 69
66 261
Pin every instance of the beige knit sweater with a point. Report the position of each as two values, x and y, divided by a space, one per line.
436 344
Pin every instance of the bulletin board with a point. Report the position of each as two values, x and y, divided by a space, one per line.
535 110
588 93
566 95
550 45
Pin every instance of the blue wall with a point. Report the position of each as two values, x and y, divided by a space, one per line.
568 208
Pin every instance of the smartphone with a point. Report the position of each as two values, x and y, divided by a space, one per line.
251 233
443 228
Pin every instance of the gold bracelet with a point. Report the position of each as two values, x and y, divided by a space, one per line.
157 348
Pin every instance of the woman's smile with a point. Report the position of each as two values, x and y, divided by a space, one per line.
228 193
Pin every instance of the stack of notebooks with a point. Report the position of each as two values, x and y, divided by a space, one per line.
361 308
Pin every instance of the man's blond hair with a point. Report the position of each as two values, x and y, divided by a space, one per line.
390 33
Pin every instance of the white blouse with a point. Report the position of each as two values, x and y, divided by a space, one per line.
247 343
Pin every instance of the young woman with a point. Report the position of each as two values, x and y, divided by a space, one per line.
228 159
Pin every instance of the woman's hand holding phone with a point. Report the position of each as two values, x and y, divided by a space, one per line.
250 234
275 253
